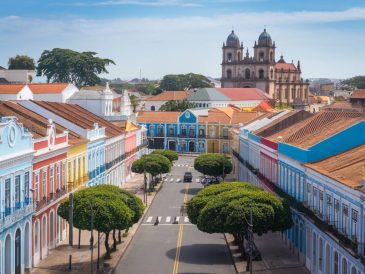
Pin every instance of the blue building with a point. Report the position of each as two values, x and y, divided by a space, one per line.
319 160
16 209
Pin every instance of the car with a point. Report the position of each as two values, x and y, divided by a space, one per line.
188 177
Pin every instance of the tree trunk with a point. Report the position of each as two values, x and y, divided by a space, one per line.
242 245
235 239
107 247
79 239
114 241
119 236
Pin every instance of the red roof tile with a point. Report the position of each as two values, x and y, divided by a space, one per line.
243 94
358 94
48 88
158 116
170 95
11 88
285 66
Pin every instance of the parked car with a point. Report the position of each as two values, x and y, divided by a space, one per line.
209 180
188 177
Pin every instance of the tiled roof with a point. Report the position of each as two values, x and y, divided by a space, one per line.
35 123
11 88
340 105
320 126
208 94
170 95
285 66
48 88
158 116
243 94
80 116
346 168
358 94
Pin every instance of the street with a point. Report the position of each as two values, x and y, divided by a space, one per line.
174 245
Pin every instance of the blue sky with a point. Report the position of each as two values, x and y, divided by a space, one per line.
180 36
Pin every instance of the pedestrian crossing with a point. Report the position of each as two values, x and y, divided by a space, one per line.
166 220
182 165
177 180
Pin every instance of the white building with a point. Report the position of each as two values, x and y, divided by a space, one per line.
15 92
53 92
17 75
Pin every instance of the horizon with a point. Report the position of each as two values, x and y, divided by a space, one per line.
162 37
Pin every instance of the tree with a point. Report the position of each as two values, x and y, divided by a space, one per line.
213 164
355 82
68 66
226 207
21 62
169 154
173 105
134 101
109 209
184 81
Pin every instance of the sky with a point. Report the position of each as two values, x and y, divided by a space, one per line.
159 37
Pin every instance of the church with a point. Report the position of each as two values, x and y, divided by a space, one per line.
280 80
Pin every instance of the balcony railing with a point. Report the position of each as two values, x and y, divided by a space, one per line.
50 198
10 219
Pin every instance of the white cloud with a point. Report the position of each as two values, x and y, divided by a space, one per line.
183 44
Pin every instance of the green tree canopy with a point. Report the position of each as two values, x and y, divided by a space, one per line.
184 81
181 105
153 164
134 101
226 208
21 62
213 164
68 66
355 82
169 154
110 211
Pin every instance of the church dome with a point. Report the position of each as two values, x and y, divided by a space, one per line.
265 39
233 40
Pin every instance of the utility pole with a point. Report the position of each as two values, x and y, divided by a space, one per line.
70 227
250 242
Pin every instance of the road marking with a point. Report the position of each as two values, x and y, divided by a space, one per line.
177 219
172 179
165 180
168 219
178 179
180 235
186 219
149 219
197 180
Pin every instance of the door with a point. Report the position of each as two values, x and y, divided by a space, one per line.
191 146
18 262
172 145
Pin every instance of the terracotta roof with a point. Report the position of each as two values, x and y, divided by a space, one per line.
285 66
158 116
80 116
358 94
228 116
243 94
170 95
346 168
320 126
11 88
48 88
35 123
340 105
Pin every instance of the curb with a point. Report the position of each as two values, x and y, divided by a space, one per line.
112 269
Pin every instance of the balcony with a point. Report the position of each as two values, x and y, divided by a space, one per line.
10 219
47 200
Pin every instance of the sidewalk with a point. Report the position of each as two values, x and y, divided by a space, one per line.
57 260
276 257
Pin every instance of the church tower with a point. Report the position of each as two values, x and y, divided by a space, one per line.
232 56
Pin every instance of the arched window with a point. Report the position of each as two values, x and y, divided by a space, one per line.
353 270
261 56
271 56
229 74
247 73
271 74
261 74
229 57
320 254
344 266
335 263
153 108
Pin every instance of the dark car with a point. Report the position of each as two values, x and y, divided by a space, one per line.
188 177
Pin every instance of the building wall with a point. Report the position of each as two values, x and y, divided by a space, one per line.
77 166
156 104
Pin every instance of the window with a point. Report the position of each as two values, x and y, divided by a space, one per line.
329 207
153 108
309 194
74 171
261 74
225 148
345 218
201 132
337 212
315 198
191 132
83 165
152 133
183 145
17 191
26 185
80 167
7 196
271 56
247 74
160 130
64 174
51 180
183 131
36 187
229 57
229 74
321 203
344 266
261 56
212 132
44 184
320 254
354 218
272 74
69 172
171 131
225 132
58 179
335 263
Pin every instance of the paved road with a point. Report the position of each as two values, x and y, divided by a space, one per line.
175 248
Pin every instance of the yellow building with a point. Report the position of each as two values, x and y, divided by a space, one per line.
77 165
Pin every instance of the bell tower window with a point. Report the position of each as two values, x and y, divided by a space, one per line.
271 56
272 74
261 74
261 56
229 57
247 74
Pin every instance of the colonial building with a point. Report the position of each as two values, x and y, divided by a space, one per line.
280 80
16 208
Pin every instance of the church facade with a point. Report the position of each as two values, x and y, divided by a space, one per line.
280 80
